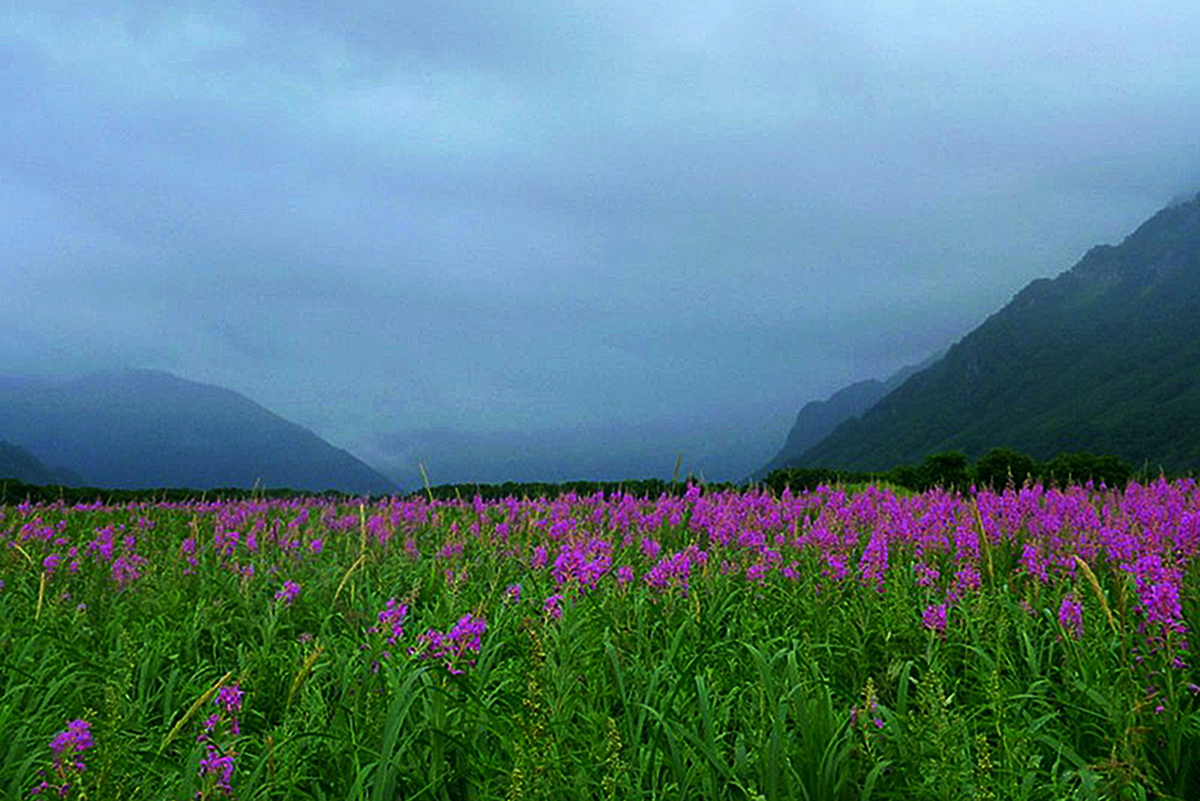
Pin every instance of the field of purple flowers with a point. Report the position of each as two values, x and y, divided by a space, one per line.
841 643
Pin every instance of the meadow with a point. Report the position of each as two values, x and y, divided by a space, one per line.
839 643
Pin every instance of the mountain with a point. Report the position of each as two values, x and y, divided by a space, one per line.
17 462
142 428
712 450
1104 358
818 419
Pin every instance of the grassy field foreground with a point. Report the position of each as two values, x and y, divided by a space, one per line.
1031 644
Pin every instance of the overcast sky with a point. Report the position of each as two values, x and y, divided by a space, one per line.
397 221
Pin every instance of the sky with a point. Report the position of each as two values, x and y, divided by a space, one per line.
551 239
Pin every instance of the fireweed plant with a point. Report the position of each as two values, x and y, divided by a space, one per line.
68 747
834 644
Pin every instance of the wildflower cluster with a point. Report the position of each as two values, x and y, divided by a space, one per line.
583 563
389 629
289 593
220 728
450 646
674 571
1070 616
68 747
1104 569
552 606
934 618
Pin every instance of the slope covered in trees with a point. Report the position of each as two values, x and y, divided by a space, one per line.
1105 358
818 419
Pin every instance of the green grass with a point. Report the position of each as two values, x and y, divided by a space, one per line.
734 690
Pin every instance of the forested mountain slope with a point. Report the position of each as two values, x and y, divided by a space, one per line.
1104 358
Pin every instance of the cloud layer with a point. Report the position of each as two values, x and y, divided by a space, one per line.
534 217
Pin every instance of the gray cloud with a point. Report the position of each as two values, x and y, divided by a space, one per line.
519 219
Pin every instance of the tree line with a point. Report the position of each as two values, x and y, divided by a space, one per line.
14 491
997 469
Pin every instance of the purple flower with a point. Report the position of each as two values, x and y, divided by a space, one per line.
869 710
926 574
551 606
188 549
1034 563
209 724
837 566
1070 616
966 579
68 744
467 632
450 646
582 563
218 764
219 759
512 593
934 618
455 579
674 570
126 568
650 548
102 547
289 592
391 621
874 561
229 698
1158 591
68 747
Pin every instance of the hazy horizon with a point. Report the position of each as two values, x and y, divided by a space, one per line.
485 228
725 451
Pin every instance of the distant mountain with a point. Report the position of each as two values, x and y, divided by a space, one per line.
1104 358
142 428
17 462
712 450
818 419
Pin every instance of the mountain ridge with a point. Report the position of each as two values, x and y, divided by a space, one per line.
136 429
1101 358
17 462
817 419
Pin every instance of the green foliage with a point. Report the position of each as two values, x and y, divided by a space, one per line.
947 470
997 469
1102 359
781 689
637 487
1001 467
16 491
1079 468
801 479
